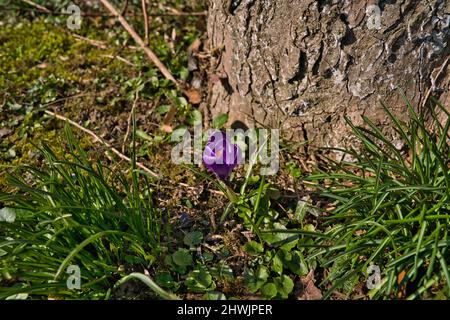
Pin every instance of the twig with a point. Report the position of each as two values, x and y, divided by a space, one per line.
181 13
152 56
124 8
93 14
38 6
146 25
95 43
218 192
110 56
98 139
65 98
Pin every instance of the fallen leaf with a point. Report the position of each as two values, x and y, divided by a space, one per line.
401 287
192 50
195 45
168 120
194 96
308 290
5 132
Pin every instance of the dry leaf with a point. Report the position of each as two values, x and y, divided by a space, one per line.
402 287
192 50
308 290
5 132
194 96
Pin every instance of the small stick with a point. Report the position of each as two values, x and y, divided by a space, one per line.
38 6
93 14
181 13
124 9
98 139
110 56
95 43
152 56
146 25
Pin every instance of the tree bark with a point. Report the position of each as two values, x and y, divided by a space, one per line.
301 65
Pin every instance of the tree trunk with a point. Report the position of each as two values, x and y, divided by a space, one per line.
301 65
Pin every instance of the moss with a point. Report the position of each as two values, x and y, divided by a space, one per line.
24 48
41 62
29 51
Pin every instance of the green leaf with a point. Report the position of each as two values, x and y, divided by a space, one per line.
184 73
294 261
214 295
182 102
219 121
222 272
143 135
255 281
178 134
273 237
293 169
284 286
195 117
161 110
193 238
277 264
208 256
165 280
269 290
200 280
300 211
182 257
253 248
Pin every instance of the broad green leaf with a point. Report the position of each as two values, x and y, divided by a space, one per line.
195 117
163 109
253 247
255 280
165 280
200 280
143 135
300 211
214 295
277 264
222 272
284 286
269 290
193 238
182 257
219 121
273 237
178 134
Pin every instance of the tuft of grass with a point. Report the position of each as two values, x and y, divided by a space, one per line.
73 212
392 210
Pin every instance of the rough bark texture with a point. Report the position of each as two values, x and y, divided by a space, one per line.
301 65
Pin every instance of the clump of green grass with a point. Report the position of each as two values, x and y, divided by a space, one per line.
73 212
392 210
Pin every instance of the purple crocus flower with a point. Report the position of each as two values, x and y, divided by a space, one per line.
220 155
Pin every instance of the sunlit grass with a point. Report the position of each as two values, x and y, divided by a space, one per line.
392 209
73 212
